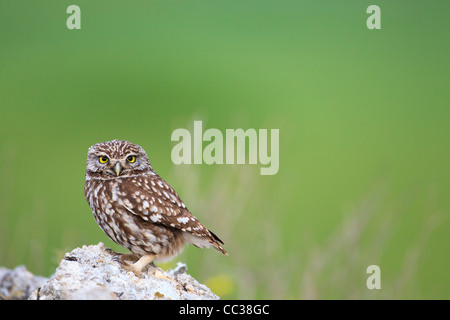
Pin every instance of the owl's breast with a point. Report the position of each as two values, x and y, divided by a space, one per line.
103 198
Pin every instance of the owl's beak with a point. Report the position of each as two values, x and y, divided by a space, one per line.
117 168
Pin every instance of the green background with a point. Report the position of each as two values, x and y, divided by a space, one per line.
363 116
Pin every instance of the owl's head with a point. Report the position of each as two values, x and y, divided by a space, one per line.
116 158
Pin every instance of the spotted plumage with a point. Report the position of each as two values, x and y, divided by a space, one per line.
136 208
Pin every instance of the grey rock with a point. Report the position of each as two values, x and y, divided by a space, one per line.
91 273
17 284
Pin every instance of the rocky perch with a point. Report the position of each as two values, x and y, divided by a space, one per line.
91 273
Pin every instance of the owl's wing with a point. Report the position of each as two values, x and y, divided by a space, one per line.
153 200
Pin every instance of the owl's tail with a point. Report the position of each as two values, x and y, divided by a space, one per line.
217 243
205 241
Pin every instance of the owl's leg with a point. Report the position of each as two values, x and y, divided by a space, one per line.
139 265
121 257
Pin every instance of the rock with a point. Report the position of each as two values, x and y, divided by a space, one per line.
91 273
17 284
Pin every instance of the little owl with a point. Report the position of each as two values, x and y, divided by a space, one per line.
137 209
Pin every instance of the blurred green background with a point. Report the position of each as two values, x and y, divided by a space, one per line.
363 115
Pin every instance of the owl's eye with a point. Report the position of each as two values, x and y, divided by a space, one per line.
131 159
103 159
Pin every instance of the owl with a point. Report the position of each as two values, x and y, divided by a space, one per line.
137 209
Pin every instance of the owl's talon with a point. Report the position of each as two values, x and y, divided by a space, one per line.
121 257
111 251
117 258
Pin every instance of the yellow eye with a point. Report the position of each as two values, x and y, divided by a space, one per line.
131 159
103 159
